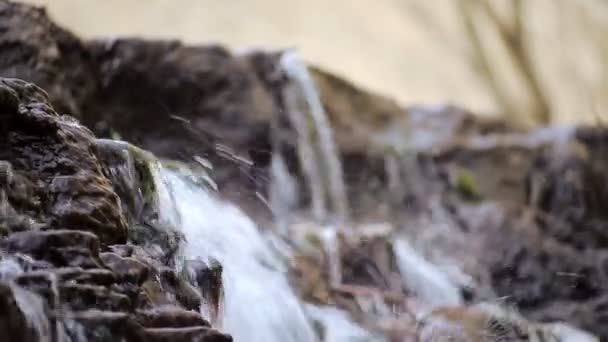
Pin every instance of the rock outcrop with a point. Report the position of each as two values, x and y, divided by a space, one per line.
66 269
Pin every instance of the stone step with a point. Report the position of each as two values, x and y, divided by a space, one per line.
60 247
94 276
104 326
38 242
82 297
126 269
169 317
99 325
190 334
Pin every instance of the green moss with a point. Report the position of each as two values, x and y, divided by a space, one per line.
193 172
466 185
313 239
144 163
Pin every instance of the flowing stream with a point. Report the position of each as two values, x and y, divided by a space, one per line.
259 304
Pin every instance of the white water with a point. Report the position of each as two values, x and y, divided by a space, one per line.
283 192
325 170
337 325
259 304
32 308
307 156
424 279
29 304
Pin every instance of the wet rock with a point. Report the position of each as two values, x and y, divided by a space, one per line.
586 315
58 211
185 293
101 277
107 326
68 189
60 247
44 283
207 277
36 242
37 50
125 268
137 252
22 315
490 322
158 240
82 297
195 334
170 317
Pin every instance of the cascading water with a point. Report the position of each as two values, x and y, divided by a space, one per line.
319 158
259 304
28 306
330 176
423 278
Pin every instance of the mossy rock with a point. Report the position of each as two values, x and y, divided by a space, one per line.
466 186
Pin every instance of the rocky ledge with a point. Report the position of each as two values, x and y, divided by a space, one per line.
66 269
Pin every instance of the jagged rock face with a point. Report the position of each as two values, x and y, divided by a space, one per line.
66 268
63 184
196 98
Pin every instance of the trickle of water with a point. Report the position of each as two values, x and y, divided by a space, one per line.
425 280
9 268
331 246
259 305
32 308
307 154
283 192
337 326
328 152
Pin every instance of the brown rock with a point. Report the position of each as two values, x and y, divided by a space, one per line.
169 317
190 334
56 152
82 297
126 268
101 277
22 315
60 247
107 326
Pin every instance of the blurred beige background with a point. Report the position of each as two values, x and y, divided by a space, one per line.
380 44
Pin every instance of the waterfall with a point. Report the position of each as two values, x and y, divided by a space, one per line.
316 147
23 307
283 191
258 303
337 326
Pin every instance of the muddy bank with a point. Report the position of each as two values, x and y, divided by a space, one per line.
520 212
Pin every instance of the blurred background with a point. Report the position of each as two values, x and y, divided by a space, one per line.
533 61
